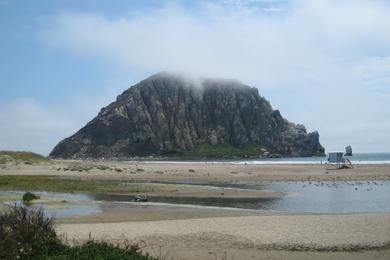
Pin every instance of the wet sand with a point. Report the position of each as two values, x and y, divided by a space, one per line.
132 211
199 191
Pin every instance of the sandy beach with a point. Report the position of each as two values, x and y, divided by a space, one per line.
257 236
163 171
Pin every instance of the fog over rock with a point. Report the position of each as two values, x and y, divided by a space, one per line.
168 112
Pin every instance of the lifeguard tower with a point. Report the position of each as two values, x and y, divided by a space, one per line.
337 160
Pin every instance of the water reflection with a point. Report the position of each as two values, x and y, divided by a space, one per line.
301 196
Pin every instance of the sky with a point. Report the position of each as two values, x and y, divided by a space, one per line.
322 63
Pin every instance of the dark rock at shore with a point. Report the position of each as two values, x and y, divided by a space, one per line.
168 114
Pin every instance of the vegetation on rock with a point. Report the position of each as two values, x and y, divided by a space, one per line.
222 151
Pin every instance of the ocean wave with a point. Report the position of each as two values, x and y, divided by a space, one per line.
267 162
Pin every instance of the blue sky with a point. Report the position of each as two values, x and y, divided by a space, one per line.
322 63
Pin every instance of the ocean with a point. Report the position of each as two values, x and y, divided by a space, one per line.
359 158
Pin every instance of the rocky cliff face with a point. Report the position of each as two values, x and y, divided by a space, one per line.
166 113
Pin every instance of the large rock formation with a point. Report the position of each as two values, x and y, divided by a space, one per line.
168 114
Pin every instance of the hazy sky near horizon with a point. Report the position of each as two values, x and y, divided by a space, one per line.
322 63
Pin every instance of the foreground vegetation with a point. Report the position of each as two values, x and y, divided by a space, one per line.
56 184
27 233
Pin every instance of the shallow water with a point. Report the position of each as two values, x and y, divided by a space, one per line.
78 204
301 197
324 197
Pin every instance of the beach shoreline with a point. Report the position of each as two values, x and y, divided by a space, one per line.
132 170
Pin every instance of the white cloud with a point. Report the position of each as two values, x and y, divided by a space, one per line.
331 56
29 125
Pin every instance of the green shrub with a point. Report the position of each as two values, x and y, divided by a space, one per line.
27 233
103 250
3 160
28 196
78 168
102 167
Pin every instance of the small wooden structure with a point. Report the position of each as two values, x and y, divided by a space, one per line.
337 160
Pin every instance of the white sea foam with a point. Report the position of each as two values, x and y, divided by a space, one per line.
267 162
